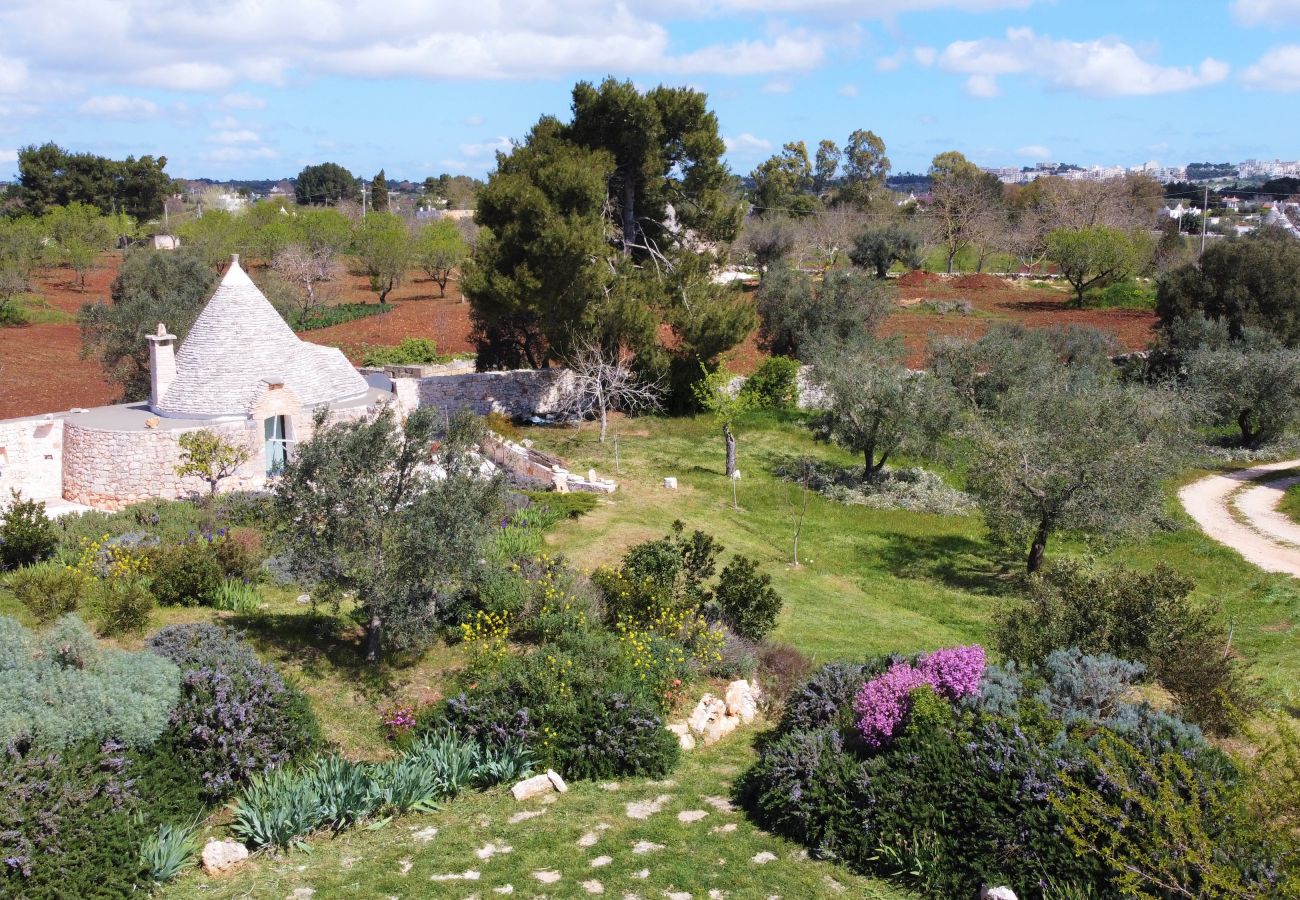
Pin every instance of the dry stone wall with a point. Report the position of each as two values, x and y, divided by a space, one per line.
520 392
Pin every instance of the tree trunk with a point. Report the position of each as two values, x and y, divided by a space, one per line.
604 423
629 212
731 449
952 256
1247 434
372 639
1038 547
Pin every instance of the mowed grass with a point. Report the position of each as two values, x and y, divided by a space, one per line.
715 852
873 581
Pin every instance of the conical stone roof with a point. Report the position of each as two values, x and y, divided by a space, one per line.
239 343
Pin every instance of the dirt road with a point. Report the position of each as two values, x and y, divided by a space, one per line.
1258 531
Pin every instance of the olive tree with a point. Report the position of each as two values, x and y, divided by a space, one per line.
1072 454
384 247
1097 256
716 394
877 408
208 456
1255 390
880 246
391 515
798 317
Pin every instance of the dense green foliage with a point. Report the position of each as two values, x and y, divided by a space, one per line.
27 535
1092 258
365 514
236 716
990 791
48 589
50 176
879 247
338 314
410 352
775 383
1135 615
325 185
151 287
800 319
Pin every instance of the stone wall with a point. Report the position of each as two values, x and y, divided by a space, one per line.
517 393
31 457
112 469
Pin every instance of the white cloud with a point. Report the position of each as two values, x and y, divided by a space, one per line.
8 156
785 54
13 76
1266 12
241 100
777 87
116 106
186 76
238 136
486 148
879 9
1277 70
473 121
1106 67
925 55
746 143
239 154
1034 151
891 63
849 90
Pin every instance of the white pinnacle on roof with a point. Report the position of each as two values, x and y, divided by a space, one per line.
238 344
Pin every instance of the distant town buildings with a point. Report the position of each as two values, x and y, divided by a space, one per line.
1251 168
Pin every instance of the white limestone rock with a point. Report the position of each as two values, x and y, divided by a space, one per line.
556 781
720 728
741 701
219 857
685 739
536 786
997 893
670 483
706 711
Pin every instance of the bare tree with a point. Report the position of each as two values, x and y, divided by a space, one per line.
831 233
958 214
603 380
310 271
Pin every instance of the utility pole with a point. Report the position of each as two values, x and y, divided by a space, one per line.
363 199
1205 218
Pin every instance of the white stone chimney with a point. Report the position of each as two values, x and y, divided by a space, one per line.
162 364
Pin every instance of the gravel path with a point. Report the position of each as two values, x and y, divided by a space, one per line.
1265 536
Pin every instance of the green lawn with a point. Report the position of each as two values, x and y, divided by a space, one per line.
1290 504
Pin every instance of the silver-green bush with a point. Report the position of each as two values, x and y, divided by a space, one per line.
64 687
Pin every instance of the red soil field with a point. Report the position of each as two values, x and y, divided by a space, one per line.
41 369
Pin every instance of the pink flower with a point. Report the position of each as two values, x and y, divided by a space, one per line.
882 704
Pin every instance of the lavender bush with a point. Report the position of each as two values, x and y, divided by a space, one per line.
237 716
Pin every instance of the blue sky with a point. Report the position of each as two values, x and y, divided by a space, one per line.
260 88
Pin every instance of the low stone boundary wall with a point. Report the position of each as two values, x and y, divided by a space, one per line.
523 461
517 393
31 457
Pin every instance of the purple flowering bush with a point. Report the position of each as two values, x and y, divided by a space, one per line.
948 774
882 704
237 716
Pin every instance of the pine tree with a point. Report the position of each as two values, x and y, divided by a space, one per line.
379 192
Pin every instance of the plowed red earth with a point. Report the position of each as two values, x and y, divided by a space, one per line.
41 369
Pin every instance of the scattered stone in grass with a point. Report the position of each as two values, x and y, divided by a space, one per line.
404 866
547 876
504 889
592 886
691 815
716 894
601 861
424 835
833 886
487 851
589 839
347 862
667 782
643 874
644 809
550 798
799 855
721 804
763 857
646 847
603 826
525 816
723 829
610 786
303 893
677 895
467 875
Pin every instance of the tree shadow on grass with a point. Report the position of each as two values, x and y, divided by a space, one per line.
323 647
958 562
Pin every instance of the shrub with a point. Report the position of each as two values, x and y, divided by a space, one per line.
1123 295
154 521
66 826
410 352
236 717
783 667
48 589
775 383
27 535
981 791
239 554
738 657
614 734
187 574
746 600
1144 616
338 314
884 702
123 605
68 689
912 489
